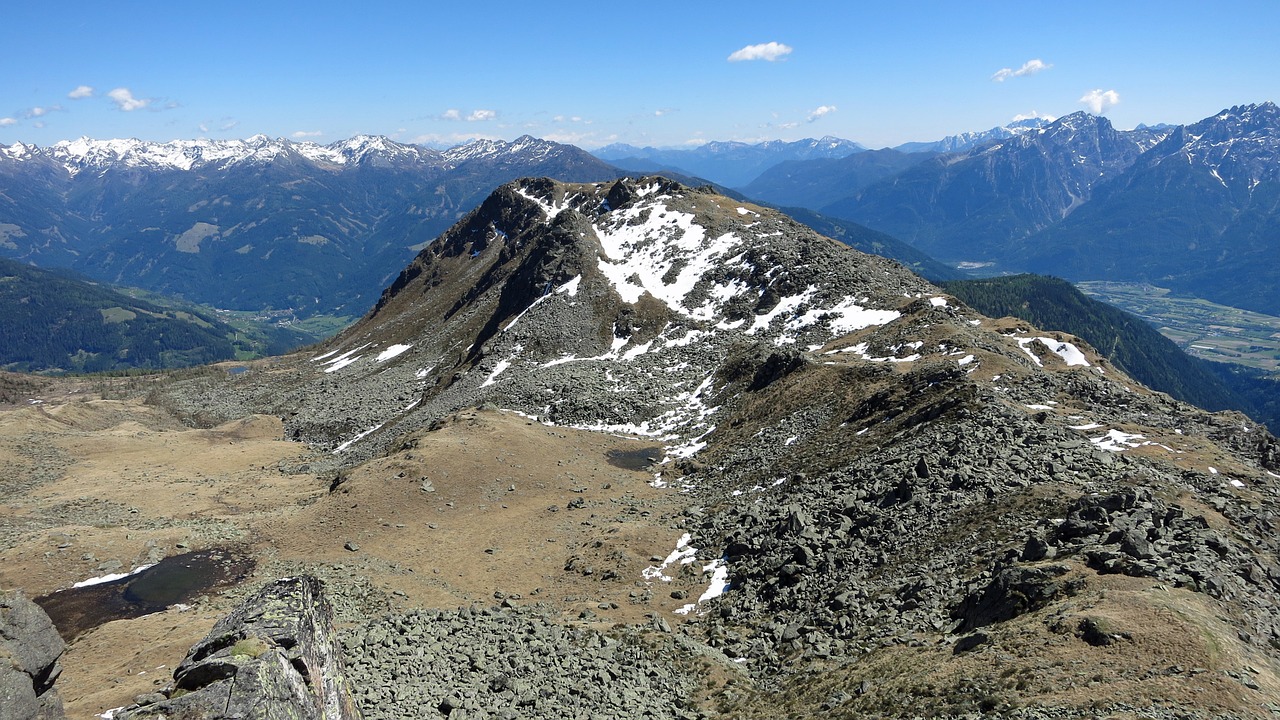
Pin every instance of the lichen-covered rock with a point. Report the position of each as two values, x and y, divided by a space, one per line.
276 656
29 652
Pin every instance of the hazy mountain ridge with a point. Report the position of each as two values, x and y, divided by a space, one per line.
814 184
1197 213
966 140
972 205
729 163
54 322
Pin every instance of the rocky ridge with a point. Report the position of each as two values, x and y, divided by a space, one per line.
275 656
633 292
888 495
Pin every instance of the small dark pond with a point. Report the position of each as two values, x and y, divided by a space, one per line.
175 579
638 459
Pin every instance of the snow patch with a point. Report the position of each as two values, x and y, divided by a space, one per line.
719 570
359 436
1069 353
344 359
112 577
571 288
1117 441
684 554
391 352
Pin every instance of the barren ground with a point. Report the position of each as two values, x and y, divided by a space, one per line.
97 486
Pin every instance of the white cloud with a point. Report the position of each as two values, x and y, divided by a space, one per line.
204 128
308 133
1030 67
449 140
1032 115
770 51
7 121
227 125
82 91
664 111
36 112
1098 101
481 115
820 111
574 138
125 100
451 114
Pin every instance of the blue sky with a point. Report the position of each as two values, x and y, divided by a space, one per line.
657 73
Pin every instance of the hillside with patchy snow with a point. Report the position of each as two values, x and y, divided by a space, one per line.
877 486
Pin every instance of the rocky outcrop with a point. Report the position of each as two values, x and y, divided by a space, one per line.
29 652
276 656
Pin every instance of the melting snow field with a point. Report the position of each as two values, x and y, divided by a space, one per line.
341 361
1069 353
651 248
391 352
667 269
684 554
111 578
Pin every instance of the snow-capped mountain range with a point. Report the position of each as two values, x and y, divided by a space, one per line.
86 154
966 140
1197 212
163 215
255 223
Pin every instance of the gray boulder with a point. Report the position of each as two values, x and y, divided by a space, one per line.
29 652
274 657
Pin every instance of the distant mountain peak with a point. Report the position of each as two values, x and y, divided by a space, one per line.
966 140
526 147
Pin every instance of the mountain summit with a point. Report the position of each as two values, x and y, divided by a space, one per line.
608 286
